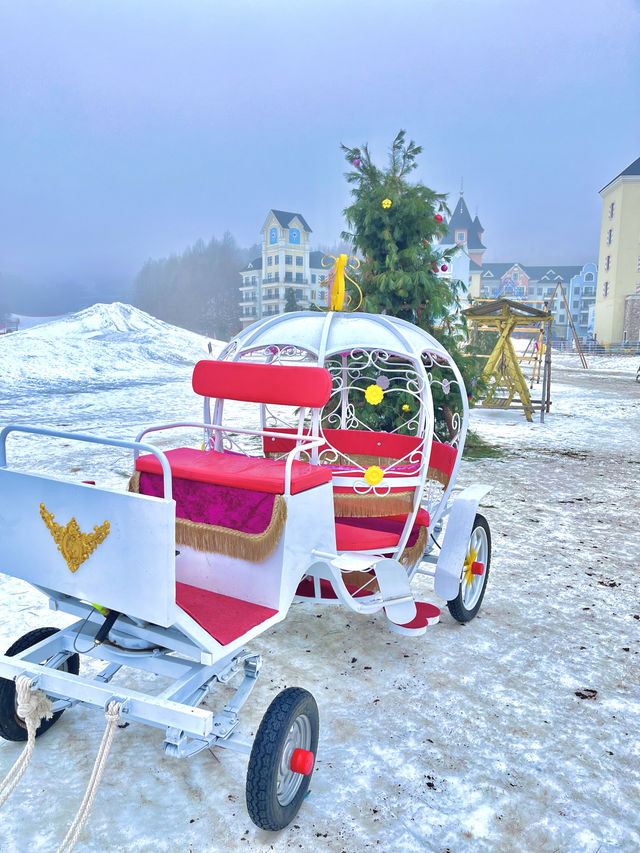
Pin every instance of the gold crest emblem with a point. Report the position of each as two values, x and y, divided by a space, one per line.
74 545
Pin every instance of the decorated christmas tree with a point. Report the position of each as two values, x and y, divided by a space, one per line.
395 227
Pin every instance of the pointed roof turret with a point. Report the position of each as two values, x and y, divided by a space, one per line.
461 218
461 221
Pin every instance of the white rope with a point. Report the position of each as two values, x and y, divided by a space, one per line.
113 715
33 706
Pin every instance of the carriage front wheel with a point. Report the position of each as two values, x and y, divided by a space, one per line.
282 759
11 726
475 572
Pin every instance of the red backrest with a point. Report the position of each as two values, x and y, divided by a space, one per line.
368 443
262 383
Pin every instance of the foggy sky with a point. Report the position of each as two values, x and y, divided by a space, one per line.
130 129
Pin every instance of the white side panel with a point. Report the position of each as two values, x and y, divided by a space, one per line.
310 526
272 582
256 582
132 570
456 541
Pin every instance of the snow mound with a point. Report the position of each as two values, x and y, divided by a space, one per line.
101 346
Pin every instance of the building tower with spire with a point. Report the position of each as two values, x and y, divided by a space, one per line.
466 233
619 258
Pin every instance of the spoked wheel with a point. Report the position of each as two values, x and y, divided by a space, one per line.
475 573
282 759
11 726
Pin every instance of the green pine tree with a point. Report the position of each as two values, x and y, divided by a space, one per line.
395 226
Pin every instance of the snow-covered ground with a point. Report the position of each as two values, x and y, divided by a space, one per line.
471 738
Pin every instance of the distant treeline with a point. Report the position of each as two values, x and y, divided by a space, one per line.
198 289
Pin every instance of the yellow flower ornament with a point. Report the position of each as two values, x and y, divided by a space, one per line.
406 407
386 203
374 394
373 475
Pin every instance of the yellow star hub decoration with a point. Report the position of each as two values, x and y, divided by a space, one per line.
468 562
373 475
386 203
374 394
406 408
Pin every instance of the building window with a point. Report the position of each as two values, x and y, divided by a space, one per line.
588 276
269 276
607 262
298 294
273 235
269 261
605 288
461 236
299 277
299 260
288 259
294 236
609 236
612 208
313 278
638 264
288 276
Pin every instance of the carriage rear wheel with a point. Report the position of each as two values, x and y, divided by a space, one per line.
282 759
472 585
11 726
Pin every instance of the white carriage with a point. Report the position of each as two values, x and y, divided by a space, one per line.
336 491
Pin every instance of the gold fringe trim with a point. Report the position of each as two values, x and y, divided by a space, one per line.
212 538
372 505
410 556
438 476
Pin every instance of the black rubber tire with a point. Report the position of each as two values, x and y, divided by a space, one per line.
11 726
262 773
457 606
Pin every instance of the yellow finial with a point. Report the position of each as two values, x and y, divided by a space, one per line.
338 286
337 279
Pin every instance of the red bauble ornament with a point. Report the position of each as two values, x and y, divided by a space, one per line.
444 267
426 243
356 162
438 217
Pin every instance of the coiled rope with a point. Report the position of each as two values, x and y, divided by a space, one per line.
33 707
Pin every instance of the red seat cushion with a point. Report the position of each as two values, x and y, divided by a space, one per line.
234 469
373 534
221 616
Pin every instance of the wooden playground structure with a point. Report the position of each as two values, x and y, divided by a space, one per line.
506 384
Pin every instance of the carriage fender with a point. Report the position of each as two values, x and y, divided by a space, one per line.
456 539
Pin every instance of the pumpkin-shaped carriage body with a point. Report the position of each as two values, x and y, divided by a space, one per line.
392 434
